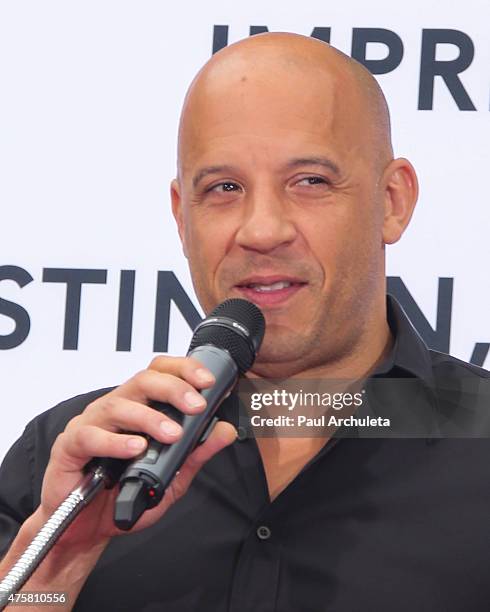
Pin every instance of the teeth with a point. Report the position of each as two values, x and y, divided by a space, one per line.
273 287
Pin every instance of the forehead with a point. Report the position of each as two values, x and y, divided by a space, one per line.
269 108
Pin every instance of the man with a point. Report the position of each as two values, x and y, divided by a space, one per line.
287 193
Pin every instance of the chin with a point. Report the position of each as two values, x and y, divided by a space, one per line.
279 361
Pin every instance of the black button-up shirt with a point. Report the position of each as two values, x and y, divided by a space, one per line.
369 524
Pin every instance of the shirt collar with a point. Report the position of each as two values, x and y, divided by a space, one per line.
409 357
409 353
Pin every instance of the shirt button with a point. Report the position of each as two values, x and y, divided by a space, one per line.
241 433
263 532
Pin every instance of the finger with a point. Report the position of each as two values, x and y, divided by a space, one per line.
187 368
223 435
74 447
150 385
118 414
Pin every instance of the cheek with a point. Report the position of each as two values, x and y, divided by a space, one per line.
346 244
205 238
206 245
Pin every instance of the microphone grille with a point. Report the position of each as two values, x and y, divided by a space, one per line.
235 325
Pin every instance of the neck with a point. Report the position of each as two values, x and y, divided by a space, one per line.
363 359
371 346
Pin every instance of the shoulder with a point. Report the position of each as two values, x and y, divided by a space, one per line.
444 364
463 397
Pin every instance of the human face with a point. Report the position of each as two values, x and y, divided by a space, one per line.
277 202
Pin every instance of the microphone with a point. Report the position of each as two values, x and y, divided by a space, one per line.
226 343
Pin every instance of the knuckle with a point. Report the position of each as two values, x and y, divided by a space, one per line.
158 363
180 489
89 408
79 436
180 485
108 406
58 445
194 463
72 424
142 379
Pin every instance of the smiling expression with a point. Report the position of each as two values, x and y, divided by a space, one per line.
279 197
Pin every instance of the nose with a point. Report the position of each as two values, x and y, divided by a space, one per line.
267 222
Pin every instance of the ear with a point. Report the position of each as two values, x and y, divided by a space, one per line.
176 197
400 196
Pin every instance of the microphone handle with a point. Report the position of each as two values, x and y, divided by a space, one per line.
143 483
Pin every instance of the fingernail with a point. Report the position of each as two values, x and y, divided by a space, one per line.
193 400
204 376
136 444
170 428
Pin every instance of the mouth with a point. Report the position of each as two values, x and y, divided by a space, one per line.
270 291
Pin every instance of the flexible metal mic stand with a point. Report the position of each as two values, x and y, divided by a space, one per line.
94 481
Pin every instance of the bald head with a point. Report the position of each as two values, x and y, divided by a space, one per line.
288 193
289 64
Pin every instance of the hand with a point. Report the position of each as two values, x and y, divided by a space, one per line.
97 432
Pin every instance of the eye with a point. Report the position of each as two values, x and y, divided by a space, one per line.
224 187
312 180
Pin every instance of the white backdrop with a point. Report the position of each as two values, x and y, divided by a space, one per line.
89 104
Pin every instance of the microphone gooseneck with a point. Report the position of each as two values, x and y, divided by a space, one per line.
226 343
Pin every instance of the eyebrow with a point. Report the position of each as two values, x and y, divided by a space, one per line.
315 161
210 170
